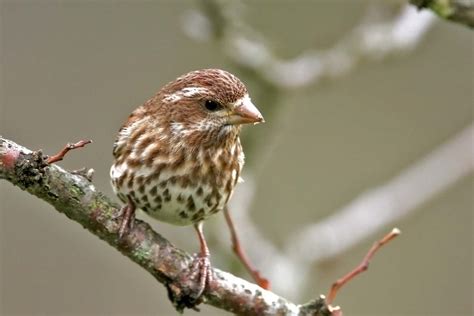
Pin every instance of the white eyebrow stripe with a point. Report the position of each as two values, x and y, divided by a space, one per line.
187 92
192 91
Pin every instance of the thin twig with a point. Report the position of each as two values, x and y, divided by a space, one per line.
236 246
363 266
60 155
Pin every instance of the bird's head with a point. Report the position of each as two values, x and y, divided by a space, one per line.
211 104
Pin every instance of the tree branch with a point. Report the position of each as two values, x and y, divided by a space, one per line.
76 197
459 11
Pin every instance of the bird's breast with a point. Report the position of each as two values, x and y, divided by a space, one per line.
180 191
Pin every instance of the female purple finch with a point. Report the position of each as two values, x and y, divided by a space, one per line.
178 157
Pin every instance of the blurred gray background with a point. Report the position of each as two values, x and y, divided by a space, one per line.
74 70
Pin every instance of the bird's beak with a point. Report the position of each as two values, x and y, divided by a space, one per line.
245 112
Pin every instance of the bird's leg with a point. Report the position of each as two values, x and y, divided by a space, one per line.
261 281
127 214
201 265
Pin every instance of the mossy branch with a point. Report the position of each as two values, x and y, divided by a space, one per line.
76 197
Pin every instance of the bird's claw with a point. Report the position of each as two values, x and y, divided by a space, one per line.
188 288
125 227
127 216
200 270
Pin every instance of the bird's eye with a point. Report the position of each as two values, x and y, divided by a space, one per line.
212 105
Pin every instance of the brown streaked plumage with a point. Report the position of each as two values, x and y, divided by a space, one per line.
178 156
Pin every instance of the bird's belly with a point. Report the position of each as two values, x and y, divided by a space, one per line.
171 199
180 206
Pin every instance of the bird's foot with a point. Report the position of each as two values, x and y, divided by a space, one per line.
188 289
127 215
201 271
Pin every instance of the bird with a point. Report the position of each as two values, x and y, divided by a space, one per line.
178 157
